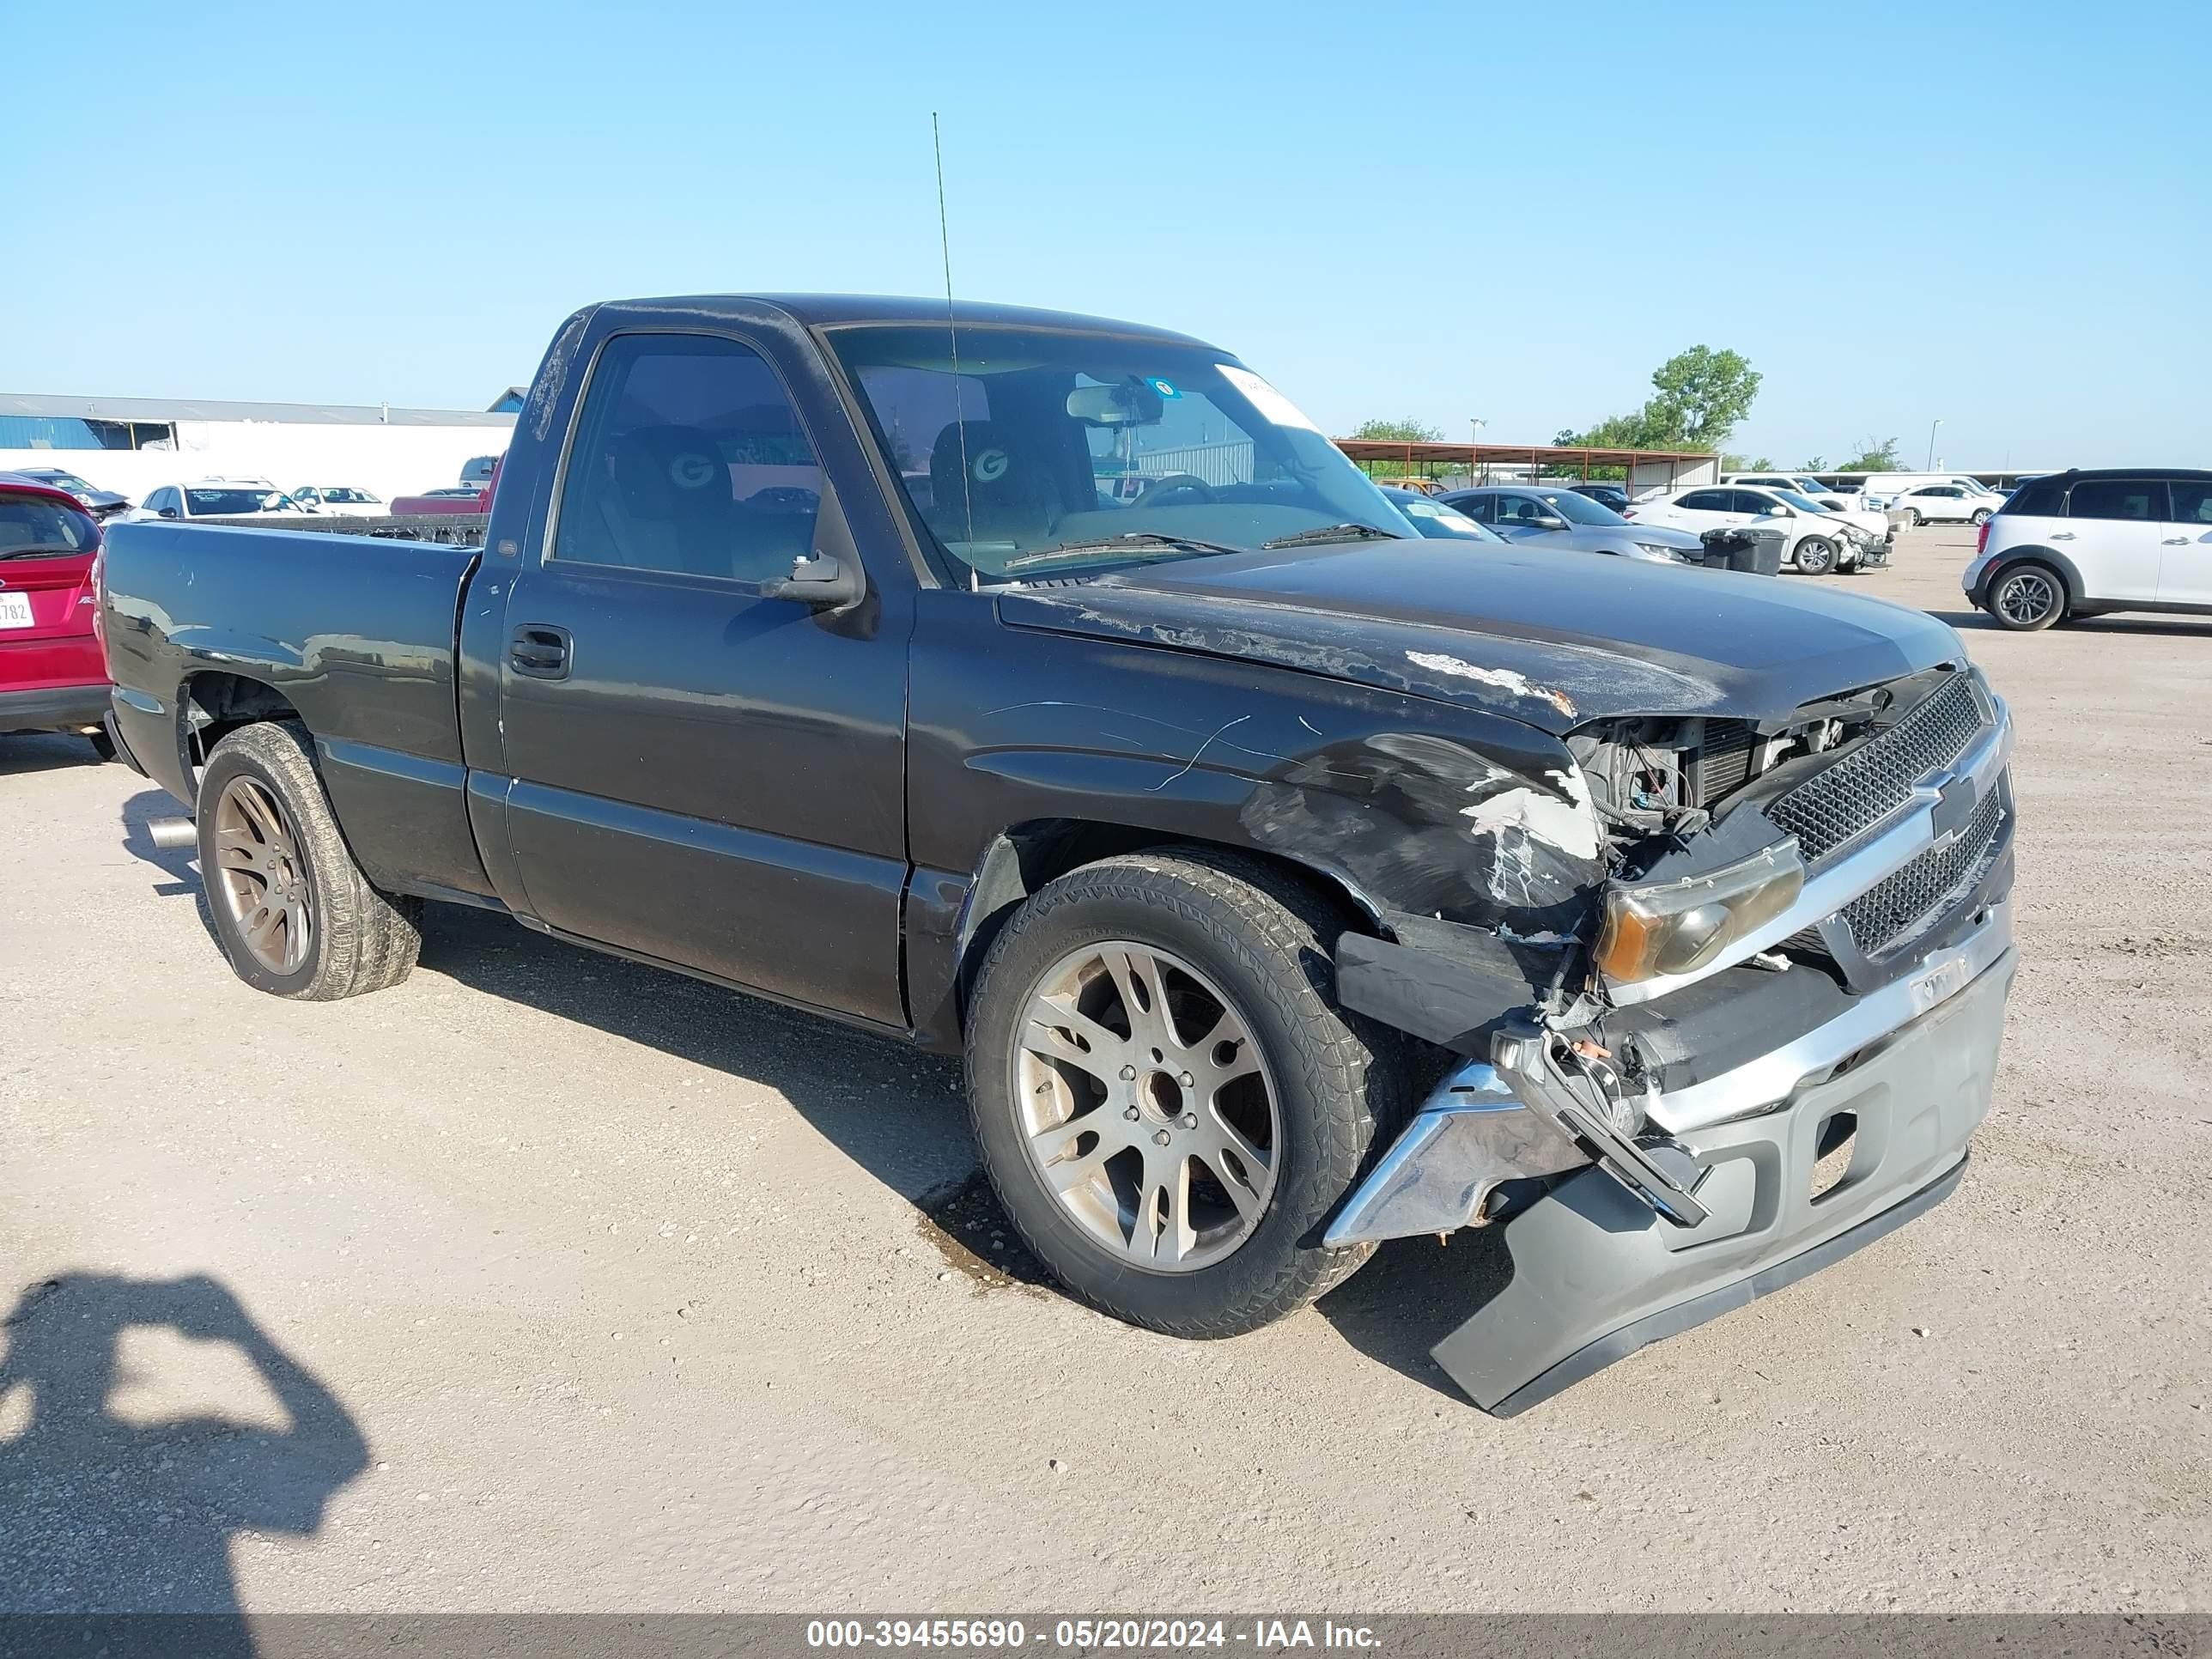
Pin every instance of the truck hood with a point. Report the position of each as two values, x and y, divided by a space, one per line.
1551 639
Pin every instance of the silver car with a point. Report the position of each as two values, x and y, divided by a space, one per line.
1555 516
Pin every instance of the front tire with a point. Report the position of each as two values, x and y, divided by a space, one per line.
293 911
2027 597
1981 516
1165 1095
1816 556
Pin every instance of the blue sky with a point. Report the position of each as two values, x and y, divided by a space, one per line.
1997 215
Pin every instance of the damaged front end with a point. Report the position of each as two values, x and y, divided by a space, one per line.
1765 1042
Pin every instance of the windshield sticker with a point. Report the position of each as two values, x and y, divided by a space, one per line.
1165 388
1265 398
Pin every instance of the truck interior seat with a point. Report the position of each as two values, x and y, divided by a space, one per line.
1012 498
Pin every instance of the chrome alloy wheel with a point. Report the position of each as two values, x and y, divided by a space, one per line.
261 878
1146 1106
2026 597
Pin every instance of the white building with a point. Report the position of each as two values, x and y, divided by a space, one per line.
136 445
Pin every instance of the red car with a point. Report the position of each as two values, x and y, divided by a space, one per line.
53 674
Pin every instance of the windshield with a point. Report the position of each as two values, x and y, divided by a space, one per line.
1048 439
1803 503
68 481
1439 522
31 525
235 503
1577 509
1811 486
348 498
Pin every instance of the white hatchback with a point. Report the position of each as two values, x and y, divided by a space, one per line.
2074 544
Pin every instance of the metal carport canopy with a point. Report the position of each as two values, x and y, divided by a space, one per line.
1670 466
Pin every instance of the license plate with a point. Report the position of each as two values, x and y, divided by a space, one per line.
15 610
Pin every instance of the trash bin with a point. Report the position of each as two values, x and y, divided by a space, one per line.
1758 551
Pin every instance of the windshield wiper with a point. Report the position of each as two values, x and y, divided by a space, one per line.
1133 540
41 552
1336 532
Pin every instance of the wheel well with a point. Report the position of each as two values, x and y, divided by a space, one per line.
215 704
2008 562
1028 856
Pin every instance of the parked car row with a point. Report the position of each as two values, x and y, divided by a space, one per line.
1815 539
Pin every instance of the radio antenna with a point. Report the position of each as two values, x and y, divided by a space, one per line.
952 333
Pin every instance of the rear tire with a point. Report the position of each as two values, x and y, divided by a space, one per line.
1981 516
2027 597
1913 517
1212 1256
1816 555
293 911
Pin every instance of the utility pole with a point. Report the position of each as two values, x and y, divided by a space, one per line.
1931 442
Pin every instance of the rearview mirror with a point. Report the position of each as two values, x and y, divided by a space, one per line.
824 582
1129 402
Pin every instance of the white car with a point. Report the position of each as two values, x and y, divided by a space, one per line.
1815 539
2078 544
217 498
1867 515
1881 489
1947 503
346 499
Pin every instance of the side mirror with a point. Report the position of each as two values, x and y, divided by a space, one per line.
1779 511
824 582
1551 521
168 512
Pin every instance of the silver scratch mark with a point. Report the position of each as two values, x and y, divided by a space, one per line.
1197 753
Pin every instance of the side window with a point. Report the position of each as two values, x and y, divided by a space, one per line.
1707 500
162 500
1513 510
2038 500
922 413
2192 500
1483 509
689 457
2135 499
1742 501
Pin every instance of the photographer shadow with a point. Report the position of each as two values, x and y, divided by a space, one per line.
107 1509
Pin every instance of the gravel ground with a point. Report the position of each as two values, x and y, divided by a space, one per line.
545 1281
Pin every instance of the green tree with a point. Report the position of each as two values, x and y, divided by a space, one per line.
1703 396
1872 457
1408 431
1699 398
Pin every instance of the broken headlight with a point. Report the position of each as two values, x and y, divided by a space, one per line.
1664 928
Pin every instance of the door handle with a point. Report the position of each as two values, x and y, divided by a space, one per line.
539 650
2062 536
2175 541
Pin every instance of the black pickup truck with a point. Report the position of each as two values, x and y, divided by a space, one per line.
1050 690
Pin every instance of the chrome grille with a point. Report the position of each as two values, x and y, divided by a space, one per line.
1888 910
1833 805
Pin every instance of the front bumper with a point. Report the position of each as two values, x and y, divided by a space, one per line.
54 707
1598 1274
1598 1271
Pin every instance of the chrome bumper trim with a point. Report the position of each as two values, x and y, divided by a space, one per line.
1774 1076
1882 851
1474 1132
